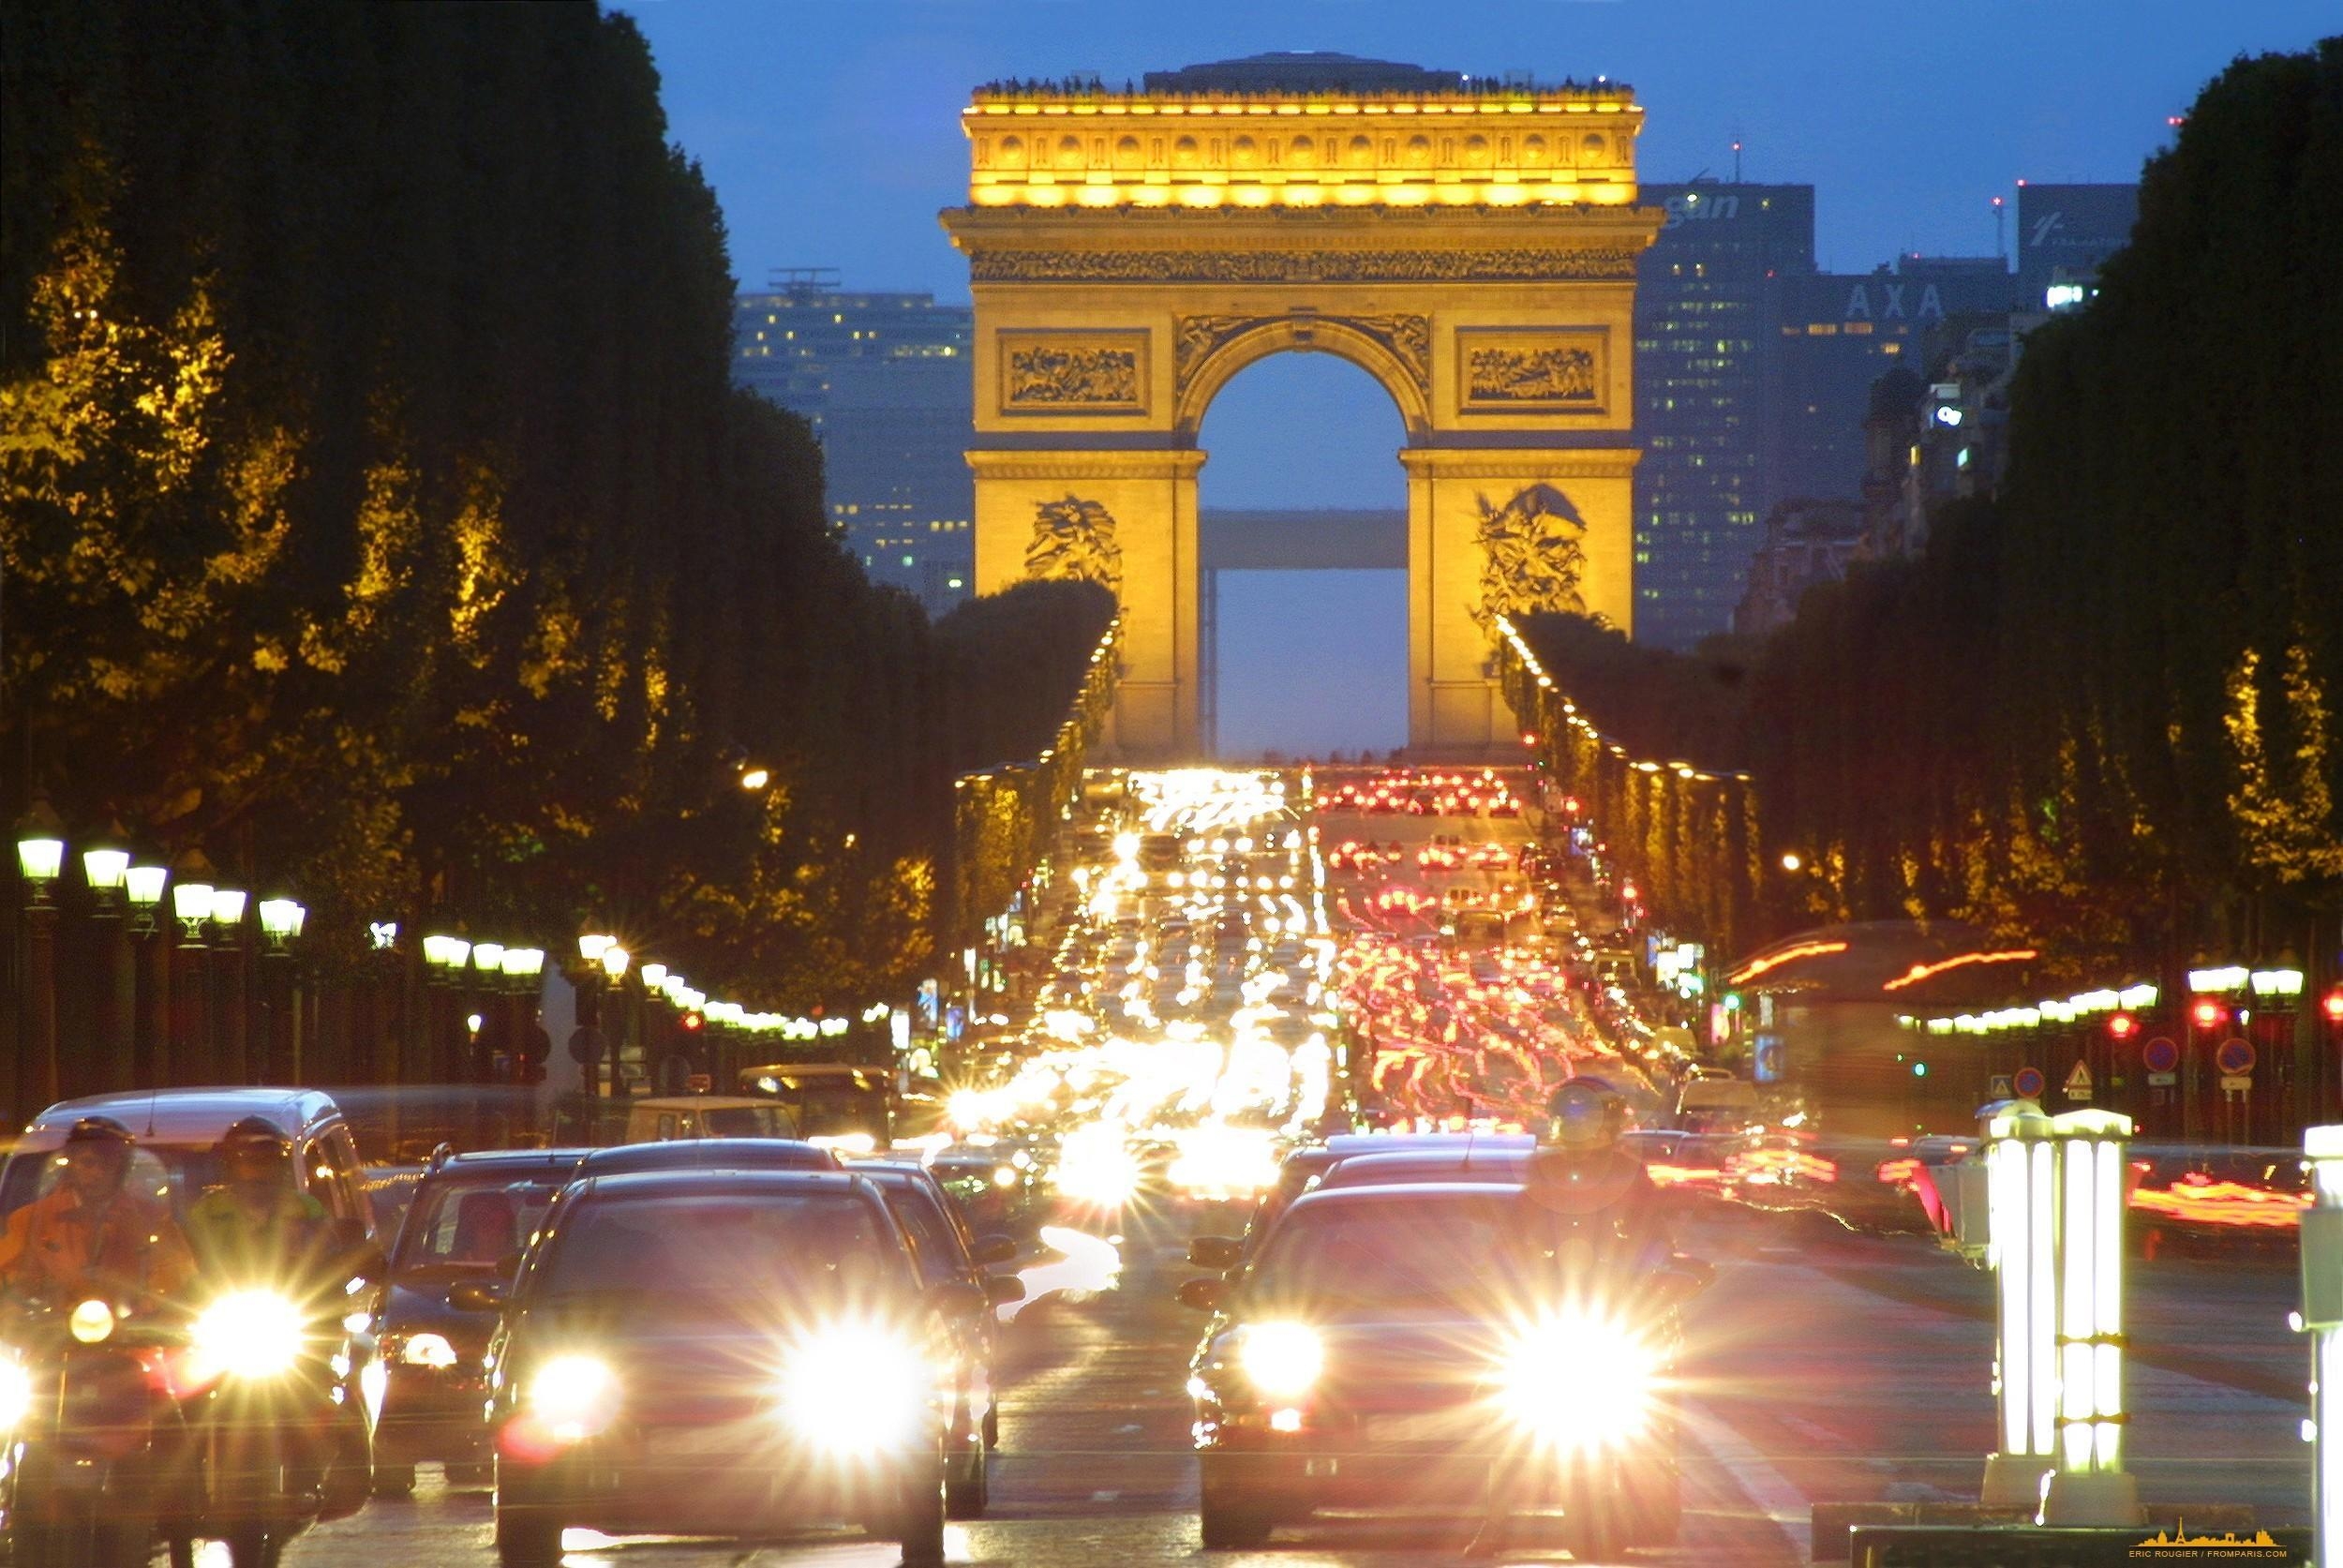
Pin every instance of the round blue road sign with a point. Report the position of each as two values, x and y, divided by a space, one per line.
2159 1054
2236 1056
2029 1083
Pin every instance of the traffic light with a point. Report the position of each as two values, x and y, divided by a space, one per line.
2332 1007
2207 1014
691 1022
2122 1026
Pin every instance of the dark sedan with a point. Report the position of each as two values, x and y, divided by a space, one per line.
722 1352
470 1218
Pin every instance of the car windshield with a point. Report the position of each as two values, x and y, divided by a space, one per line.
826 1112
177 1173
709 1248
1414 1252
741 1121
474 1220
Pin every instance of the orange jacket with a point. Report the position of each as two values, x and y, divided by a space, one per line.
58 1250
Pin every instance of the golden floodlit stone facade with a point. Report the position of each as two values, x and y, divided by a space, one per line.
1471 246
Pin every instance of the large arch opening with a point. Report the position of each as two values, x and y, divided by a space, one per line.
1303 563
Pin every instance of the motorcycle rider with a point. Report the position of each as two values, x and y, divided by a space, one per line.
258 1229
256 1226
88 1237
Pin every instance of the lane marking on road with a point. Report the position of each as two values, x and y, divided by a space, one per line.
1776 1496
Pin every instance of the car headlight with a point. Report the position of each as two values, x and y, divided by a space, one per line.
1578 1382
16 1394
1281 1360
573 1397
249 1334
855 1389
428 1350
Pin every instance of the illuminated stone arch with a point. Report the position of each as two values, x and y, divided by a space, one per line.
1492 297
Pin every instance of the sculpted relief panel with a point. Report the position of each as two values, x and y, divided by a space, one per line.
1196 339
1075 538
1073 372
1532 372
1532 556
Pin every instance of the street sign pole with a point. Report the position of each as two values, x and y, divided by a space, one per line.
2322 1318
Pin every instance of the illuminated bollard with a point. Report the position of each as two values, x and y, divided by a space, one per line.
2322 1316
2054 1192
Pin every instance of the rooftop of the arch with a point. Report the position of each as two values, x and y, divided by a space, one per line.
1301 130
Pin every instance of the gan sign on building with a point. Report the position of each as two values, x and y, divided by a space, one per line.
1470 243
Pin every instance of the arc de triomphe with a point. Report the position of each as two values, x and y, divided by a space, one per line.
1470 244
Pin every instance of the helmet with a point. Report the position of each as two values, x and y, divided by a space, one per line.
255 1137
98 1129
1585 1114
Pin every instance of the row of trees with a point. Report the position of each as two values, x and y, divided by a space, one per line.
378 515
2100 710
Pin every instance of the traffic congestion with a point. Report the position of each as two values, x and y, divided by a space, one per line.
1326 1183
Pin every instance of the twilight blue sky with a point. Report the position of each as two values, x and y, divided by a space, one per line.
830 134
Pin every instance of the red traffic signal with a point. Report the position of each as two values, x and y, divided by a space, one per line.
2333 1006
690 1021
2207 1013
2122 1026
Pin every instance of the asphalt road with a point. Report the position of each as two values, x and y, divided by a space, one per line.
1823 1366
1832 1368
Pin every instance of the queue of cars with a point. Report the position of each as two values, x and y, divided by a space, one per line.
805 1338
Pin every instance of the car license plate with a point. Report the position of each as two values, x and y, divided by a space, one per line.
1418 1426
693 1443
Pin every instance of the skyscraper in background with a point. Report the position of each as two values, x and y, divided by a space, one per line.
2064 233
1708 301
884 379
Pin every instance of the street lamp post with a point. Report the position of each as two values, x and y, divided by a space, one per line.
231 1039
191 991
444 958
281 920
150 1046
105 866
40 857
588 1044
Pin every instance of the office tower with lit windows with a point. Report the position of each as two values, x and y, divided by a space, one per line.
1707 330
884 379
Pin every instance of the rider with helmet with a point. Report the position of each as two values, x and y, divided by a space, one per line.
88 1236
1597 1189
256 1225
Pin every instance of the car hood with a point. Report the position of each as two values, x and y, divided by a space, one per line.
416 1304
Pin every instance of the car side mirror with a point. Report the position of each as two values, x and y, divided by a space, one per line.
994 1249
1205 1296
1215 1252
958 1298
477 1295
1002 1289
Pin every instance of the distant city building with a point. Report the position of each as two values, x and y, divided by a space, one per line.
1806 542
1708 298
1841 332
2064 231
884 379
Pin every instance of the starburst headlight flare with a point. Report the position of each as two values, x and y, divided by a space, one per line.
1096 1166
1578 1382
16 1394
248 1334
428 1350
855 1390
92 1322
1281 1360
572 1397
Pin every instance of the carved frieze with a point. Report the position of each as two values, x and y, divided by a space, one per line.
1075 539
1073 372
1509 265
1533 555
1196 339
1532 372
